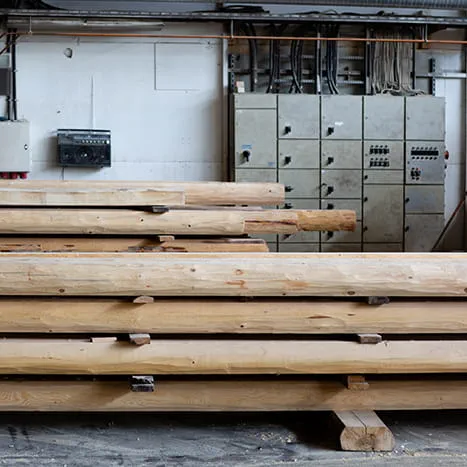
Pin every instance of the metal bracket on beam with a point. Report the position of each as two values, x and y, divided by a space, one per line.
142 383
377 301
369 338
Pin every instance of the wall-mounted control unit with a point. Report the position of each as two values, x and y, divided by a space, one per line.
83 148
15 157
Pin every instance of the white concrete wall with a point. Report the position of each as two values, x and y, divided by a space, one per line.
162 100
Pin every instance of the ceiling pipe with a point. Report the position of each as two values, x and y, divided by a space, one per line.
240 37
422 4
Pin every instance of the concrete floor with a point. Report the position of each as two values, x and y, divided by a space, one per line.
423 439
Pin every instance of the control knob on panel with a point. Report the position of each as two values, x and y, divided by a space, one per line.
288 129
287 160
288 188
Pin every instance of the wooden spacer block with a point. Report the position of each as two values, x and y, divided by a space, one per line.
369 338
363 431
166 238
140 339
103 340
142 299
356 383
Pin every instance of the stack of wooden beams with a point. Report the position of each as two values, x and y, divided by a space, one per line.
171 315
102 331
151 216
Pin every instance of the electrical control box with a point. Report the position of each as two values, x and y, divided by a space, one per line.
381 156
84 148
15 156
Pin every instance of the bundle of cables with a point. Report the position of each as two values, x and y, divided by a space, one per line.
392 64
332 59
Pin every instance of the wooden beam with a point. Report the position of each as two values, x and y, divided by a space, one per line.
229 357
217 316
174 222
90 197
363 431
231 274
132 244
284 221
277 395
201 193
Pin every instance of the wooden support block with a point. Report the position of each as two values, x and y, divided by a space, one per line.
363 431
166 238
369 338
142 383
356 383
140 339
103 340
200 193
143 299
231 274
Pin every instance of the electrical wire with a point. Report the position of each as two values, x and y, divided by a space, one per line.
392 64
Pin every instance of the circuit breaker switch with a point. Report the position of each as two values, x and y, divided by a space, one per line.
288 129
330 160
330 190
287 160
288 188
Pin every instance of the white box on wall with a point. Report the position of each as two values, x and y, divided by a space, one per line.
14 146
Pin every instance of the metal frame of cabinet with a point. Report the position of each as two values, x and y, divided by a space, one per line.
382 156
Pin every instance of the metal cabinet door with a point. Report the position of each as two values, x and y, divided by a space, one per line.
341 155
301 203
341 184
383 213
255 138
298 154
425 163
256 175
302 183
298 116
341 117
424 199
422 231
425 118
383 117
299 247
382 247
341 247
